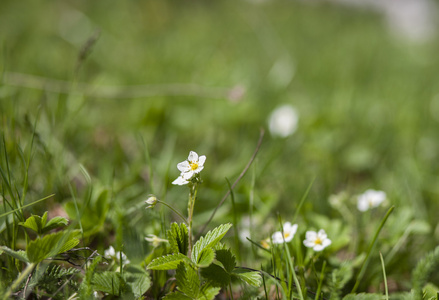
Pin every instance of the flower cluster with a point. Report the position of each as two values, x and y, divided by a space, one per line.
316 240
189 168
155 240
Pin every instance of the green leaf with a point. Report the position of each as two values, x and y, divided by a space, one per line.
251 277
227 259
51 245
209 240
178 238
206 257
187 280
208 293
108 282
363 296
34 223
216 275
139 282
55 223
167 262
20 254
176 296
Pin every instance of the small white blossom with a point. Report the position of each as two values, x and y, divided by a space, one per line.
317 240
180 181
110 252
370 199
188 168
154 240
288 233
152 201
283 121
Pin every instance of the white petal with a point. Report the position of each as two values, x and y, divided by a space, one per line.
193 156
309 243
198 170
289 237
184 166
277 238
201 160
322 234
363 204
187 175
318 247
326 243
311 235
180 181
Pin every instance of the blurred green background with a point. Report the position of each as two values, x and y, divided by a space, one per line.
127 88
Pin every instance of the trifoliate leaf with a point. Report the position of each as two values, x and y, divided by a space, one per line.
251 277
187 280
216 275
167 262
209 240
178 238
51 245
35 223
227 259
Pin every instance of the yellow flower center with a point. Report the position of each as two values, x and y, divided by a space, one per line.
193 166
286 234
318 241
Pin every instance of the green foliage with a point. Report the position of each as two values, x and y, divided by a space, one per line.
251 277
423 270
209 240
363 296
19 254
40 224
187 280
178 238
338 278
108 282
167 262
51 245
205 258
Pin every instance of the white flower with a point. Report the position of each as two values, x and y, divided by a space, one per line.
370 199
288 233
283 121
154 240
188 168
110 252
317 240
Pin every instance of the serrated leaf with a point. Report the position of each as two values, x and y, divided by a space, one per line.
167 262
20 254
251 277
34 223
139 282
55 223
206 257
178 238
51 245
187 280
363 296
108 282
176 296
209 240
227 259
208 292
216 275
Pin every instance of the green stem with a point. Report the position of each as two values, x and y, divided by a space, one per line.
371 246
20 278
174 210
191 205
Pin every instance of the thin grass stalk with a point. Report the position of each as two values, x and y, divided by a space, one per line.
296 214
369 251
20 278
235 221
322 275
385 277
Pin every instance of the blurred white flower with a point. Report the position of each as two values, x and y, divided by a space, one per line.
152 201
154 240
288 233
283 121
370 199
317 240
111 253
266 243
188 168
